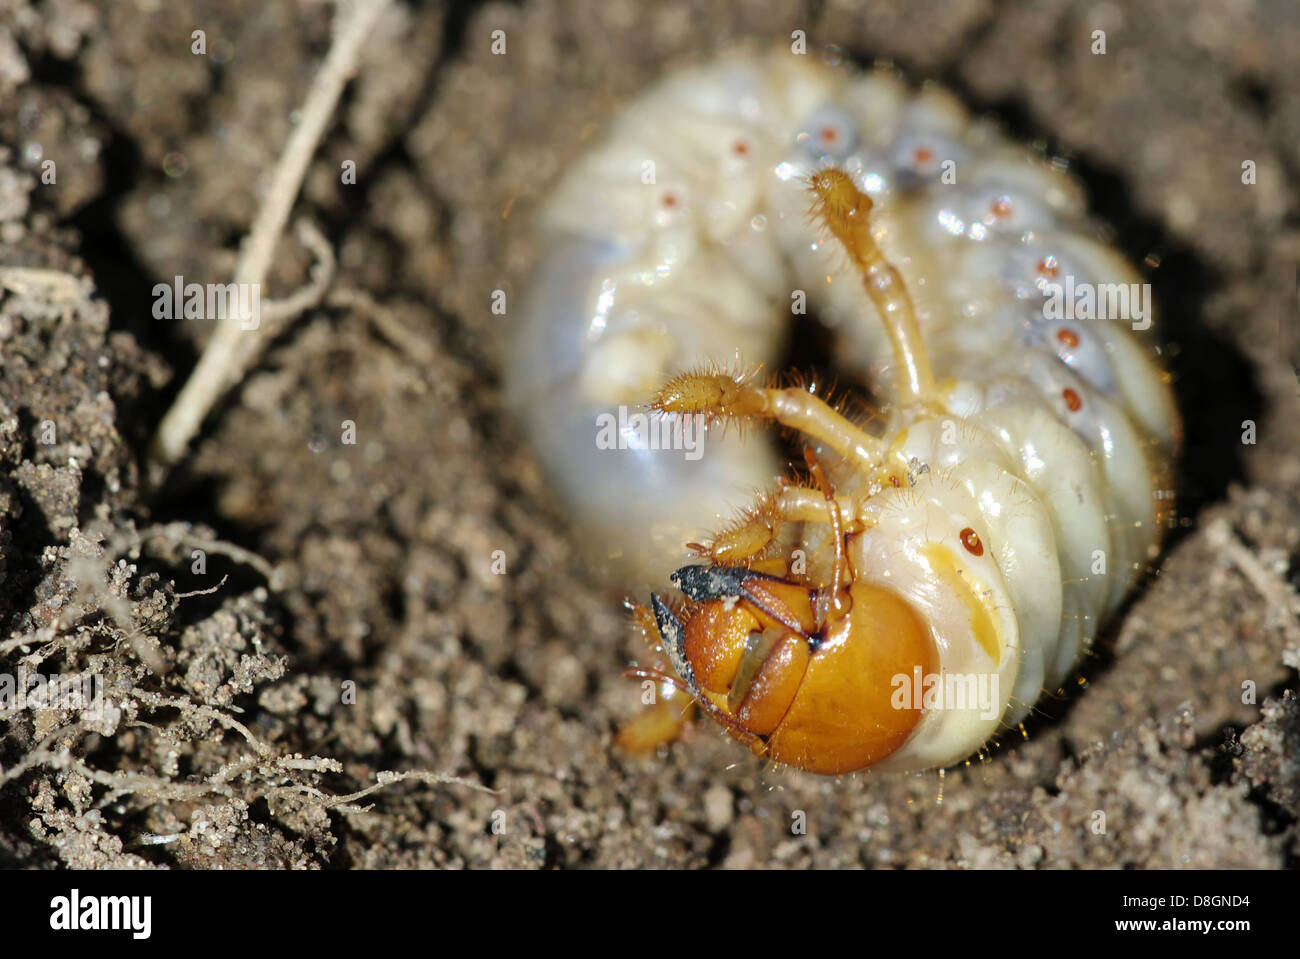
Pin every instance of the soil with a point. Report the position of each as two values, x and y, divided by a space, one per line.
289 618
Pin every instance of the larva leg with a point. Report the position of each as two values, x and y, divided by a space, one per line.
760 526
842 573
845 210
723 396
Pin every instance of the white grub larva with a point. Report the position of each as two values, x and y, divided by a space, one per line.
968 541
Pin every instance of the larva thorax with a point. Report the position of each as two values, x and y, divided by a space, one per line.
974 538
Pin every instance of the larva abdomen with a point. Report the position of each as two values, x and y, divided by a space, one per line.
1009 501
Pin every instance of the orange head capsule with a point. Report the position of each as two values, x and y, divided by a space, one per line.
763 658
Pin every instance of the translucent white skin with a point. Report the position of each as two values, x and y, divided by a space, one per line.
635 289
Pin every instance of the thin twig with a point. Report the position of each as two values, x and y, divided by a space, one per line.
233 348
58 286
182 534
420 351
1275 590
204 592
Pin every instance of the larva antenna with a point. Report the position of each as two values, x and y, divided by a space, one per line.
845 210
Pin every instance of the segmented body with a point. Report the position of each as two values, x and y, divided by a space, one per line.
1011 511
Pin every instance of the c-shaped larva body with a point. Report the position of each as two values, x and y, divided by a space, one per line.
971 547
